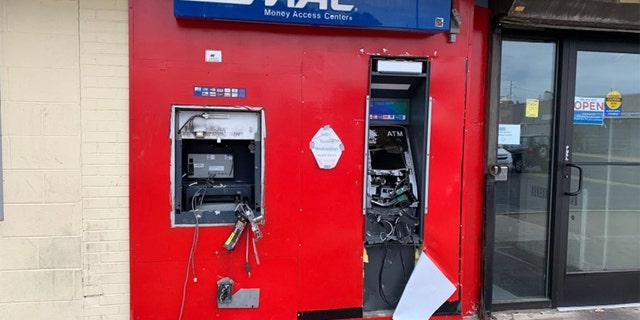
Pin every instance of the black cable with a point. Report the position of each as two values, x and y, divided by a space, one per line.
383 296
381 292
404 271
190 265
189 121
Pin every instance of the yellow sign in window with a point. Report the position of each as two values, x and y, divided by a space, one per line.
532 107
613 100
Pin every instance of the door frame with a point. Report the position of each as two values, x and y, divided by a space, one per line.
491 137
566 40
579 288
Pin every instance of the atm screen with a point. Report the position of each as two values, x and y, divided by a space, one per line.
387 147
389 110
385 160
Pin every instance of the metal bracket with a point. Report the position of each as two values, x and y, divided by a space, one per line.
500 173
242 299
454 28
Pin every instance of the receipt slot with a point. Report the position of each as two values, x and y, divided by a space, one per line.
217 165
396 170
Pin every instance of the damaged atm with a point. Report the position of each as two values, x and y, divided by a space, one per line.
218 178
396 175
217 165
218 173
326 219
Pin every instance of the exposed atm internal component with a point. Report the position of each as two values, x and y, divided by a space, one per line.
216 199
218 164
396 170
392 189
210 166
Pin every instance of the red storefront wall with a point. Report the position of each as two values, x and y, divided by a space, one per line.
305 78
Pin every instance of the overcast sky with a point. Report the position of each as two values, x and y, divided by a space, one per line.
528 71
600 72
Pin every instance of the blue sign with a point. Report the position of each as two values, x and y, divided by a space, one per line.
388 110
608 112
587 110
419 15
588 117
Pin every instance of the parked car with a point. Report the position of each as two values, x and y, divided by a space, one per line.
533 150
504 158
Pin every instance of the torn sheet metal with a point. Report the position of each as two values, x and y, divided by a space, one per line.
428 288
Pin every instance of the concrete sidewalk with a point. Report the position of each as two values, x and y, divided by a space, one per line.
619 312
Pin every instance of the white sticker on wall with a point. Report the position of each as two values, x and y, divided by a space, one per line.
326 148
213 56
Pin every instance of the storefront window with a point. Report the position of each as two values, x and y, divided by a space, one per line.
522 202
604 219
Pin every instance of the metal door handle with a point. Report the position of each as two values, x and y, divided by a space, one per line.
577 192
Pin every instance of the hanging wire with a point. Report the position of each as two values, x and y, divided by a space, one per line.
190 264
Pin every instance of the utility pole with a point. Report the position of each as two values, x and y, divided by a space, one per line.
511 90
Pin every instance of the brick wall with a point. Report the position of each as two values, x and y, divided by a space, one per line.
64 101
104 93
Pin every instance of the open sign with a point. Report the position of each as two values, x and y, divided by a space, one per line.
592 105
588 110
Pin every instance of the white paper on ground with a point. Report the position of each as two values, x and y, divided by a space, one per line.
428 288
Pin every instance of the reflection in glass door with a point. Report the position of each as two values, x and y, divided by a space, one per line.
566 229
603 240
521 253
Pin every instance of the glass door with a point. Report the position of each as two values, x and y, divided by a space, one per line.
522 202
600 176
